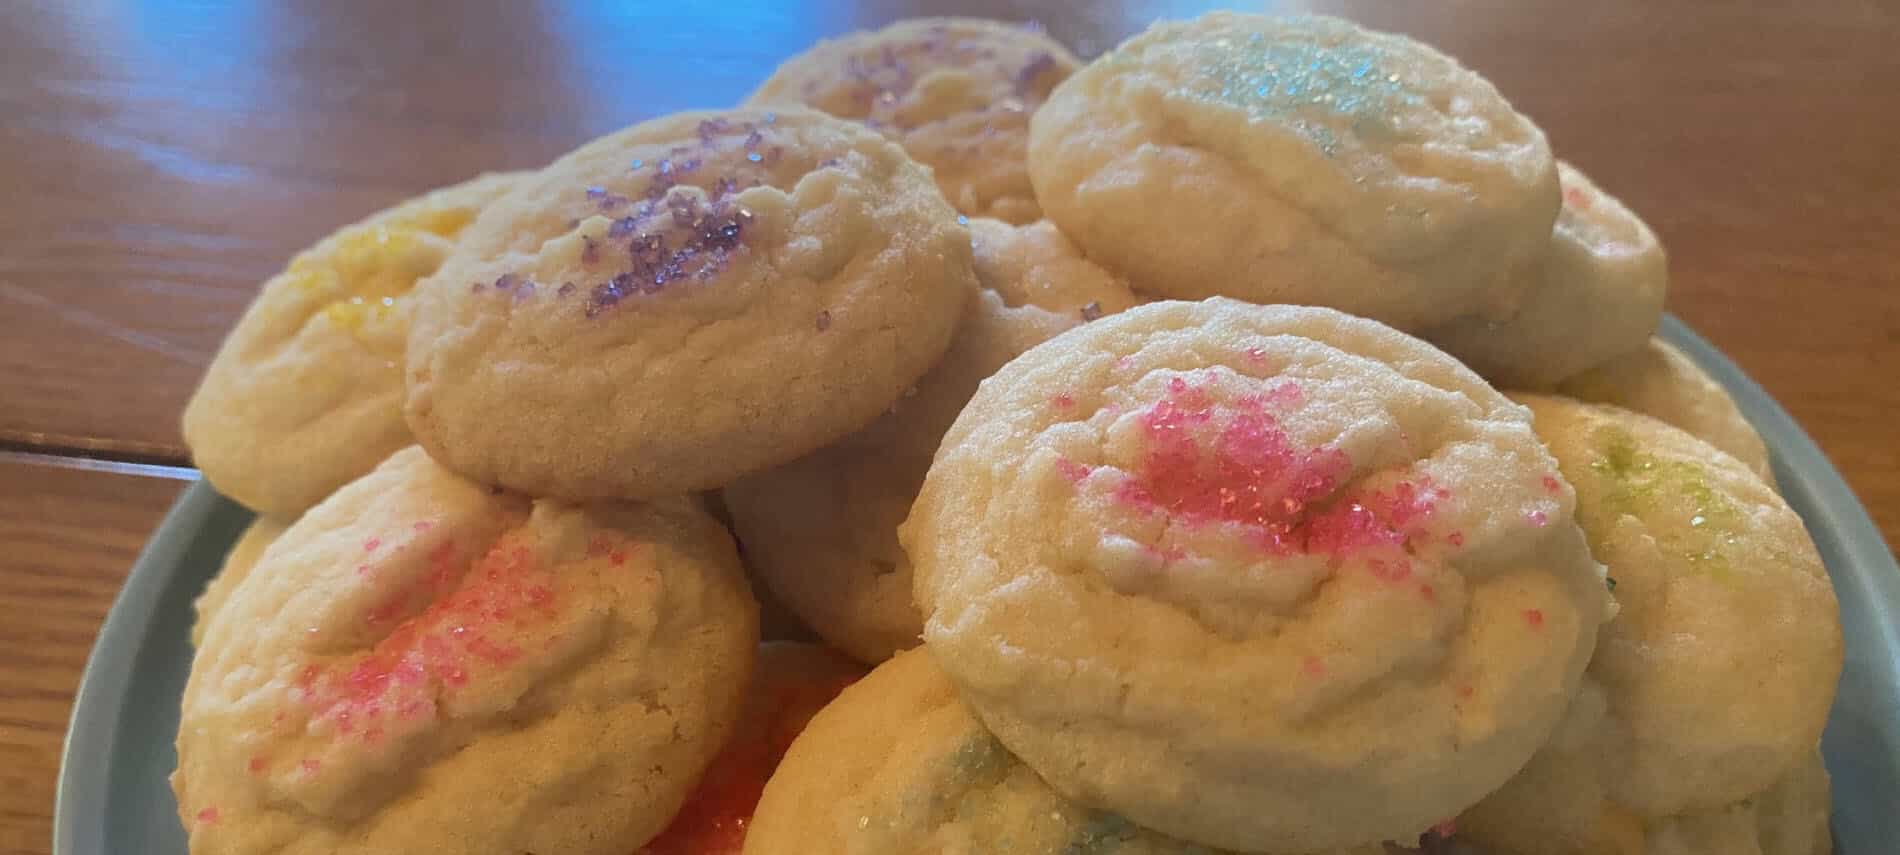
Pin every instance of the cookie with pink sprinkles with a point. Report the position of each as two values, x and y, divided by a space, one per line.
238 564
1264 578
424 664
683 302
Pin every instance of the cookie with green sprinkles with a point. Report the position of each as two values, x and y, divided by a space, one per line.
1724 607
1298 160
1660 381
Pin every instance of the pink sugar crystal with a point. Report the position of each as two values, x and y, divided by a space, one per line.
1072 470
1235 463
1552 485
463 629
1534 617
208 816
1286 394
1313 667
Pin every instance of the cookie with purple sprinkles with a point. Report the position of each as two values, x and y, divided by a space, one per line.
683 302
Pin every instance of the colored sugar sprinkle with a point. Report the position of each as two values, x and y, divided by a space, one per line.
605 200
962 220
1552 485
258 763
1641 482
1313 667
1283 80
208 816
1072 470
521 287
452 640
1063 401
1235 464
1538 518
1534 617
1576 198
712 232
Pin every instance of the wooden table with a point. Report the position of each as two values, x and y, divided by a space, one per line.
157 160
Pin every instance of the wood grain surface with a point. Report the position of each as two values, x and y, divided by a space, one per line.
159 159
67 538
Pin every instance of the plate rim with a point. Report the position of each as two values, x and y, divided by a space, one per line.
105 681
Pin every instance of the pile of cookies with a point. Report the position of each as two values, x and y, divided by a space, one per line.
1136 424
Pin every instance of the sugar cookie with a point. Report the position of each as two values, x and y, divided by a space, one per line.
957 93
237 565
1264 578
821 531
1557 806
1720 666
684 302
1298 160
1660 381
421 664
899 766
1598 295
305 394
